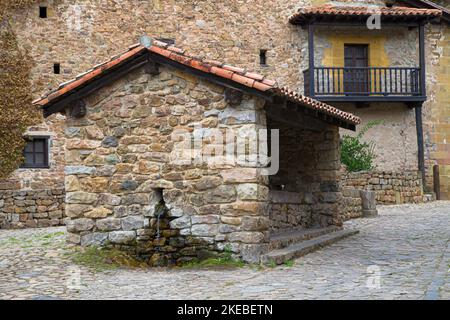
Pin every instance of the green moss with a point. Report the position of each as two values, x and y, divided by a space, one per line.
102 259
223 260
271 264
289 263
212 263
53 235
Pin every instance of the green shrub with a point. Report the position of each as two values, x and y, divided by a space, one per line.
357 155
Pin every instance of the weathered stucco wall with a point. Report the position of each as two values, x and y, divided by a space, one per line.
395 138
387 46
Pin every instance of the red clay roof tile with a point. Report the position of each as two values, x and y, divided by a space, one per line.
200 66
236 74
261 86
254 76
243 80
222 72
214 63
175 49
345 10
233 68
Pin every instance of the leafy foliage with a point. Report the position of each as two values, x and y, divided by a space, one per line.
16 110
357 155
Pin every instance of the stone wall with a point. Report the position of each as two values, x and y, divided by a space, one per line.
125 185
233 31
289 210
351 203
47 178
35 197
31 208
436 111
390 187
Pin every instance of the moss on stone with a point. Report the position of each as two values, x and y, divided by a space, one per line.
102 259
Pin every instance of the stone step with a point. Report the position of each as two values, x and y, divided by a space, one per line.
287 238
297 250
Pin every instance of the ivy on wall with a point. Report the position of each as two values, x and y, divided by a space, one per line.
16 109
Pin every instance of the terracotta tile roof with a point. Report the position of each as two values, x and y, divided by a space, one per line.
317 105
430 5
330 10
235 74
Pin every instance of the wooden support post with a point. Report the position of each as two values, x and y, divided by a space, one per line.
421 155
311 59
436 182
422 60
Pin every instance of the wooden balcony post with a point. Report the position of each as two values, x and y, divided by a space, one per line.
311 59
422 59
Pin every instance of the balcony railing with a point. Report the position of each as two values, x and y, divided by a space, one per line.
354 82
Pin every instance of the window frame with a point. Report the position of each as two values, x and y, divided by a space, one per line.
46 152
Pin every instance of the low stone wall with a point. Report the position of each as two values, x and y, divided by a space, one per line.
390 187
352 203
31 208
289 210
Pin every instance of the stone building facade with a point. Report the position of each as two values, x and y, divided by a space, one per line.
35 197
238 32
135 178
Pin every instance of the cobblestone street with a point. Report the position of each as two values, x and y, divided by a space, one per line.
402 254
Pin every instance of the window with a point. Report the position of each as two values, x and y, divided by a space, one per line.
263 57
36 153
42 12
56 68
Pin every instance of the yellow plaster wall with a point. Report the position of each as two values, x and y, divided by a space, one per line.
334 55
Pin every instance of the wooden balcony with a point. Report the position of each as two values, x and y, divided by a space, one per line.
364 84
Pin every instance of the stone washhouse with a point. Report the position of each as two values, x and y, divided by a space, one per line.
406 60
125 187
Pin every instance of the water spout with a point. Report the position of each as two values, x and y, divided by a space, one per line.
159 211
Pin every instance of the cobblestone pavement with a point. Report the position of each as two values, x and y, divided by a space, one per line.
402 254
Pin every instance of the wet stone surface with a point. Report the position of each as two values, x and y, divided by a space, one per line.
401 254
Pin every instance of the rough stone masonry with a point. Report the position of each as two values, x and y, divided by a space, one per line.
123 187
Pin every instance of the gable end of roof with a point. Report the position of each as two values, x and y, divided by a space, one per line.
162 53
